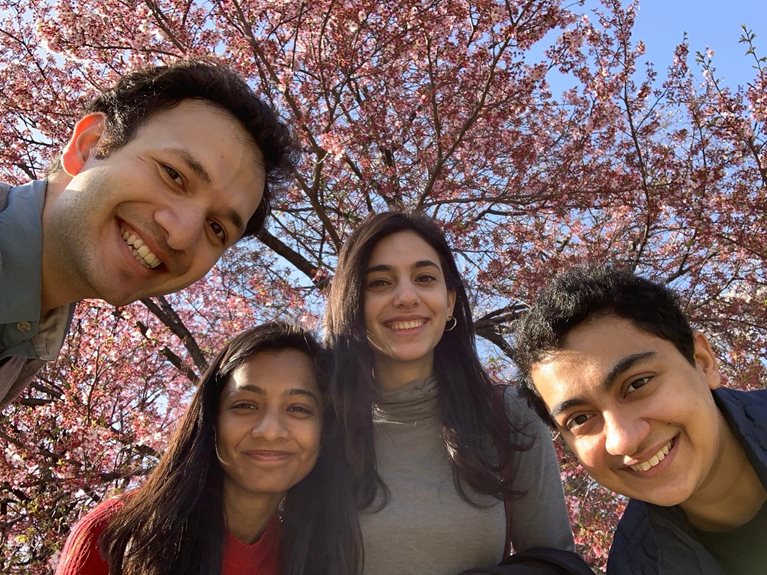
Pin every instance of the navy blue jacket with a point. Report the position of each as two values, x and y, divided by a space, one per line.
653 540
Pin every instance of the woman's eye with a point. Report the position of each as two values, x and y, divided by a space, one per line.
244 405
301 410
426 278
379 282
173 175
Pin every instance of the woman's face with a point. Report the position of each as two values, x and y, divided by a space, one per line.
269 423
406 304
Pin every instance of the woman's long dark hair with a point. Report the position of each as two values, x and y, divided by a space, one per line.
175 522
471 408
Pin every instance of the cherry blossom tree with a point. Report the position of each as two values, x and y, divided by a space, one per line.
448 107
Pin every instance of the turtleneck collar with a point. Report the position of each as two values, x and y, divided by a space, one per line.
412 402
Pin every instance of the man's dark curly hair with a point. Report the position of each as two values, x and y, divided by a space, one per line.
139 95
585 292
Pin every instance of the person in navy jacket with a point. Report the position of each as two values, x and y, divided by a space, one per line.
610 360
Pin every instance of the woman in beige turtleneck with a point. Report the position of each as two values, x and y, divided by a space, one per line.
424 422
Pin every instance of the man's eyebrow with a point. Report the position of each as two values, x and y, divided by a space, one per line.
418 264
193 164
565 405
623 365
232 215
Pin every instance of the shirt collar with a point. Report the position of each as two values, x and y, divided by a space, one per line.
21 249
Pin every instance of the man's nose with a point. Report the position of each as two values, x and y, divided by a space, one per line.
183 223
624 433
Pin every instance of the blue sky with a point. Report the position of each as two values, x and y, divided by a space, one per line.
715 24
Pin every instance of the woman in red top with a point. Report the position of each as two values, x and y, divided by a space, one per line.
229 496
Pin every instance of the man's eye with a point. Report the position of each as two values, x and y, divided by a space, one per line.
638 383
577 420
219 230
173 175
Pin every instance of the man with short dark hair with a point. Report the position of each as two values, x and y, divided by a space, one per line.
610 360
163 172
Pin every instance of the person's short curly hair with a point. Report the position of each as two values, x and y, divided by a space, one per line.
139 95
584 292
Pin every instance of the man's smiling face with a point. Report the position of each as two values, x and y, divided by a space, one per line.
155 215
639 416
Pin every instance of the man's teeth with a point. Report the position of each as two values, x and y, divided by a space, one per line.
655 459
413 323
140 251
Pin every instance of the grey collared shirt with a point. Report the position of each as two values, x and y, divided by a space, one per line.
26 338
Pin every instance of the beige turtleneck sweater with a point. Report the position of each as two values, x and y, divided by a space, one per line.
426 528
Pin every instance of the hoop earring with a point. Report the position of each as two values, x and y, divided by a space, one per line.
452 327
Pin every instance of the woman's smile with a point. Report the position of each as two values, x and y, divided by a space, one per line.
407 304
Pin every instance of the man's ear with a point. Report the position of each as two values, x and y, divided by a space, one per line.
705 360
83 143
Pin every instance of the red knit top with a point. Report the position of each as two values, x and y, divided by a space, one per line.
81 555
